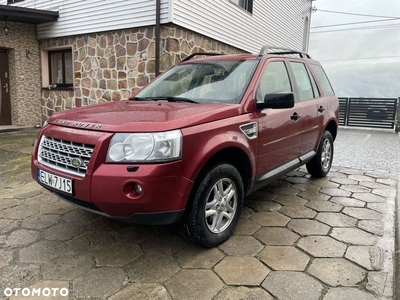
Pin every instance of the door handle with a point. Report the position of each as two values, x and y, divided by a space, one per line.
296 116
321 109
6 87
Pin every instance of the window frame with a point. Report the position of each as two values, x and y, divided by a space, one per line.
64 84
248 7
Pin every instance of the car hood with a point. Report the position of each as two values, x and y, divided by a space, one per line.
143 116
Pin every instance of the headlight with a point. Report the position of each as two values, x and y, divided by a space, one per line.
145 147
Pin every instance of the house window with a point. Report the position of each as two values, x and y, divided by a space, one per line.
60 68
13 1
245 4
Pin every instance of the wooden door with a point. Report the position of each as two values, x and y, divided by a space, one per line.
5 100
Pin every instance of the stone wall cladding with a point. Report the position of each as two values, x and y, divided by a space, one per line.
110 66
24 72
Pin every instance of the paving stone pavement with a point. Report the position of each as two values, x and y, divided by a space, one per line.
368 149
298 238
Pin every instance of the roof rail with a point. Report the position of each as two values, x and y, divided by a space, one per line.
282 51
201 53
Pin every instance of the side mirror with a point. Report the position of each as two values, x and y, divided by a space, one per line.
277 100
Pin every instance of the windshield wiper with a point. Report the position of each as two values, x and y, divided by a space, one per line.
141 98
175 99
169 99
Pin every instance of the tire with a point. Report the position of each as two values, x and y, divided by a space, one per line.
321 163
215 206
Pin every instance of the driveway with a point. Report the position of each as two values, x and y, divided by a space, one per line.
368 150
298 238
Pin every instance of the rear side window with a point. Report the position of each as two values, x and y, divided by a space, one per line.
324 80
303 81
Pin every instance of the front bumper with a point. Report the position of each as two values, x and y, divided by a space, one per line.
109 189
156 218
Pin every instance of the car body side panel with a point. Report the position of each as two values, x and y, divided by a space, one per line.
204 141
312 123
279 137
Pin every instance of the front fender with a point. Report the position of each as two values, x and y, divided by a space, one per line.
201 143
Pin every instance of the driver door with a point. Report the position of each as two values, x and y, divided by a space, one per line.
280 132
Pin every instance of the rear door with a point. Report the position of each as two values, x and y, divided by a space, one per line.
312 104
5 100
280 132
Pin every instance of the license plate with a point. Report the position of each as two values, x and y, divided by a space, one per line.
55 181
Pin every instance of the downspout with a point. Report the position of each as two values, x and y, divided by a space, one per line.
158 33
309 25
306 33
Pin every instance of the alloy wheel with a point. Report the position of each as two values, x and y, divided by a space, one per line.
221 205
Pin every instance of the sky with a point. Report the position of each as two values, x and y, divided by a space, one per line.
359 63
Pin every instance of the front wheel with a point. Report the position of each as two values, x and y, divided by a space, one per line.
215 206
321 163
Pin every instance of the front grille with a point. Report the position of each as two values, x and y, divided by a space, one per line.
60 155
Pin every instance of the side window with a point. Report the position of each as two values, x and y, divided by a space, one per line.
314 85
302 80
324 80
275 79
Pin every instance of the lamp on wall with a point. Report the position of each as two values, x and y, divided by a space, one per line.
6 29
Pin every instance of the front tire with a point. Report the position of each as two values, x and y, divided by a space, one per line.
321 163
215 206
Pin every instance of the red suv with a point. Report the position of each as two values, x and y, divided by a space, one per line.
194 142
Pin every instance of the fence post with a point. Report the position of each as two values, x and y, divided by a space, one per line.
397 126
348 100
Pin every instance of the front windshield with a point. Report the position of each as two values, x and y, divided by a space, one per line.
222 81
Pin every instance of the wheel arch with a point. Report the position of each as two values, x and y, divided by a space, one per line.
332 127
235 157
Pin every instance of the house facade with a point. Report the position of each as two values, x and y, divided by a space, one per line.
98 51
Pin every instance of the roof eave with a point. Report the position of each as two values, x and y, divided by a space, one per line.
27 15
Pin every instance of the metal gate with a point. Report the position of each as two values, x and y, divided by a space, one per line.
368 112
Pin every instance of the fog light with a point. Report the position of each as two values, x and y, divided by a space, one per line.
133 190
138 189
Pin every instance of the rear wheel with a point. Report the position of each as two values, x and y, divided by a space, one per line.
320 165
215 206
